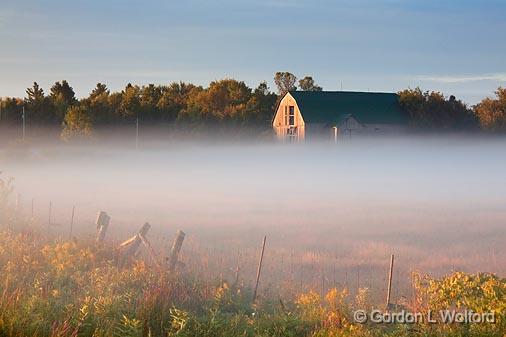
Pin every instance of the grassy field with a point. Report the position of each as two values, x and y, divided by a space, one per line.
53 287
322 262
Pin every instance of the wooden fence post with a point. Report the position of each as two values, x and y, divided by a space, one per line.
259 270
102 222
150 250
132 245
390 273
174 251
72 221
237 270
358 279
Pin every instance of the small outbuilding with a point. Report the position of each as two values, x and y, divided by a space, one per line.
335 114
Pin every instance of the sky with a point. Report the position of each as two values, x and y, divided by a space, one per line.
454 46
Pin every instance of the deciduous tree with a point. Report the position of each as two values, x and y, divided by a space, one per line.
174 100
78 123
223 99
130 102
492 112
433 110
260 107
308 84
285 82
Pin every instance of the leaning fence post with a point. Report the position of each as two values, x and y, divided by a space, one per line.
132 245
174 251
102 222
390 273
150 250
259 269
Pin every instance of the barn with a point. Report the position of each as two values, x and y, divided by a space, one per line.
337 114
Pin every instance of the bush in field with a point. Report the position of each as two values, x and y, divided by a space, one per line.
480 293
50 286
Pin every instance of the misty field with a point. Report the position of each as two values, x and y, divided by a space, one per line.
332 213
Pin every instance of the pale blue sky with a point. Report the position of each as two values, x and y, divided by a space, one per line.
458 47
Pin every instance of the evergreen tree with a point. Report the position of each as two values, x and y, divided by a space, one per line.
62 96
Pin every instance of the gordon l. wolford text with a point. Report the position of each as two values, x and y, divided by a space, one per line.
441 316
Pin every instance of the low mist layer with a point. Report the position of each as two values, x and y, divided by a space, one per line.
436 203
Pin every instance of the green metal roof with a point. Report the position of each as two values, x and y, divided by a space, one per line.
333 106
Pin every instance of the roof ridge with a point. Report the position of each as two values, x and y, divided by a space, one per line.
366 107
342 91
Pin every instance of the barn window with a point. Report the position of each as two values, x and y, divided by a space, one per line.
286 115
291 120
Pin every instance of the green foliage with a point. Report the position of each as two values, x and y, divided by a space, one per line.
285 82
492 112
223 99
62 96
35 94
77 123
100 105
223 102
308 84
260 106
226 102
128 327
11 110
174 100
130 102
77 289
58 285
38 106
434 111
480 293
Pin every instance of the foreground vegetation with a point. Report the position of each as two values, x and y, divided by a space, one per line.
71 288
55 287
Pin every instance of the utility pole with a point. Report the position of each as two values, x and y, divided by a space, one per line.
137 132
24 129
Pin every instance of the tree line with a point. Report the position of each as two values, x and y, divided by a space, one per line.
226 101
431 109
